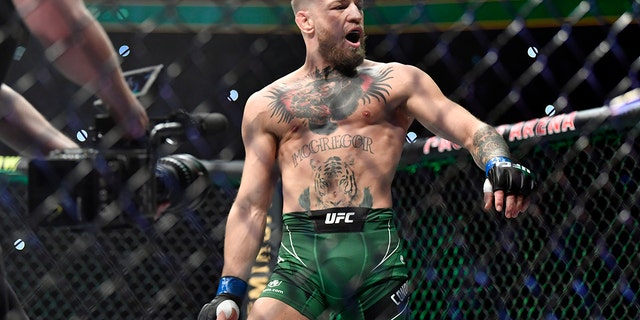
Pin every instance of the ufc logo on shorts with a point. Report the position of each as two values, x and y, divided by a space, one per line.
337 217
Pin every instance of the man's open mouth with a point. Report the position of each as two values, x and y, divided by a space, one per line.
353 36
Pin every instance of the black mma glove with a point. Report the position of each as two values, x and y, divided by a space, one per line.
509 177
231 292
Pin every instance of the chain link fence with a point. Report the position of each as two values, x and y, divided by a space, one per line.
574 255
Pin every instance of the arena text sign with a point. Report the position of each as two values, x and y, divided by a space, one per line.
514 132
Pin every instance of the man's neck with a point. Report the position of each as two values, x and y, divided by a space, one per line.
327 72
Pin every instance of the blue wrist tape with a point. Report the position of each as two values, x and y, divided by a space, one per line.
493 161
232 285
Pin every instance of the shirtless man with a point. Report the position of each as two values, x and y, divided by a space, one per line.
335 128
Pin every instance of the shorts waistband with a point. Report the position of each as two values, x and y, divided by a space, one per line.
346 219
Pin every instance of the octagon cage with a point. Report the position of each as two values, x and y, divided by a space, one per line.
558 79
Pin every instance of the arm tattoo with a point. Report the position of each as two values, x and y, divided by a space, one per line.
488 143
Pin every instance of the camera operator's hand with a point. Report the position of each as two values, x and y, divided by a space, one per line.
225 305
132 118
507 186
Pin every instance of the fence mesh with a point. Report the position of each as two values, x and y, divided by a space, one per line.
573 255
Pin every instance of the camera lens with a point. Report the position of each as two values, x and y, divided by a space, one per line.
182 181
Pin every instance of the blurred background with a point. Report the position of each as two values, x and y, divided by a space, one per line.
573 256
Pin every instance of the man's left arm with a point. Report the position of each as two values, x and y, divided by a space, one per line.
507 184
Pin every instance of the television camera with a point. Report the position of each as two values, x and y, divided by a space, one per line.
121 181
117 180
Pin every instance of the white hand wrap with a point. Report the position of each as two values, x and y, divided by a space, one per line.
227 306
487 187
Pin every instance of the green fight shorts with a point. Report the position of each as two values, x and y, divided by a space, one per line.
348 261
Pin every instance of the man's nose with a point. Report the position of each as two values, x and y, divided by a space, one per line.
354 13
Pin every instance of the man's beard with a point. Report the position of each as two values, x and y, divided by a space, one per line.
343 60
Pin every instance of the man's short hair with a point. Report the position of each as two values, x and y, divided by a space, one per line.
297 5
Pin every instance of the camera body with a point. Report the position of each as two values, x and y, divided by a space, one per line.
115 182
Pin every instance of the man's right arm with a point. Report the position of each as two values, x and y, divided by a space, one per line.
247 218
80 48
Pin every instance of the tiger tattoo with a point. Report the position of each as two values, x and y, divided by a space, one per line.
335 186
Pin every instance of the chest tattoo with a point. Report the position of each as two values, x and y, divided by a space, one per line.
329 98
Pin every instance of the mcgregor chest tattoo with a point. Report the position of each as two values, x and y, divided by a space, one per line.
329 98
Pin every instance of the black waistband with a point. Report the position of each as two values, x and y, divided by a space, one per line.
349 219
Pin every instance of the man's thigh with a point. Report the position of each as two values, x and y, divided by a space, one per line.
271 309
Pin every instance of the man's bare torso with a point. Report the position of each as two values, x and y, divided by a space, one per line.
339 138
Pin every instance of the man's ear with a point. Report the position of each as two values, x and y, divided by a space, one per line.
304 22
